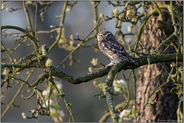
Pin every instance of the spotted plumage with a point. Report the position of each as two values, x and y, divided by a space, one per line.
111 48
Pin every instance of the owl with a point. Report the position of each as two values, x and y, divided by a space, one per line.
111 48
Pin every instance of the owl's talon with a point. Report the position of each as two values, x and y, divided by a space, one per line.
109 65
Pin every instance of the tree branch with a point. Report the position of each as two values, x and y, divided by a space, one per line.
123 65
32 39
144 60
102 71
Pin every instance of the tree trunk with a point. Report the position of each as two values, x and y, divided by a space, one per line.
151 105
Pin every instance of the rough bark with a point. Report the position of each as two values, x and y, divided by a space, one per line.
162 105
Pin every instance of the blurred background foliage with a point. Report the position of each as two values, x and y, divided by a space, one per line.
79 20
68 30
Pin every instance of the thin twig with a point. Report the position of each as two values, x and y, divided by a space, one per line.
30 28
80 44
61 27
17 93
158 88
33 40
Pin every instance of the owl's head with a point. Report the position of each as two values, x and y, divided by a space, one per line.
105 35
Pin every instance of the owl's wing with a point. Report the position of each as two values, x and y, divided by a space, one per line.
114 47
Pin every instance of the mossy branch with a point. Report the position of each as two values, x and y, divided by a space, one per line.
107 92
101 72
123 65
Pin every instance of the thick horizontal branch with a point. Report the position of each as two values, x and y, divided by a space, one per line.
150 59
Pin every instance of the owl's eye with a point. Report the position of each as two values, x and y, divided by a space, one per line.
109 35
105 36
